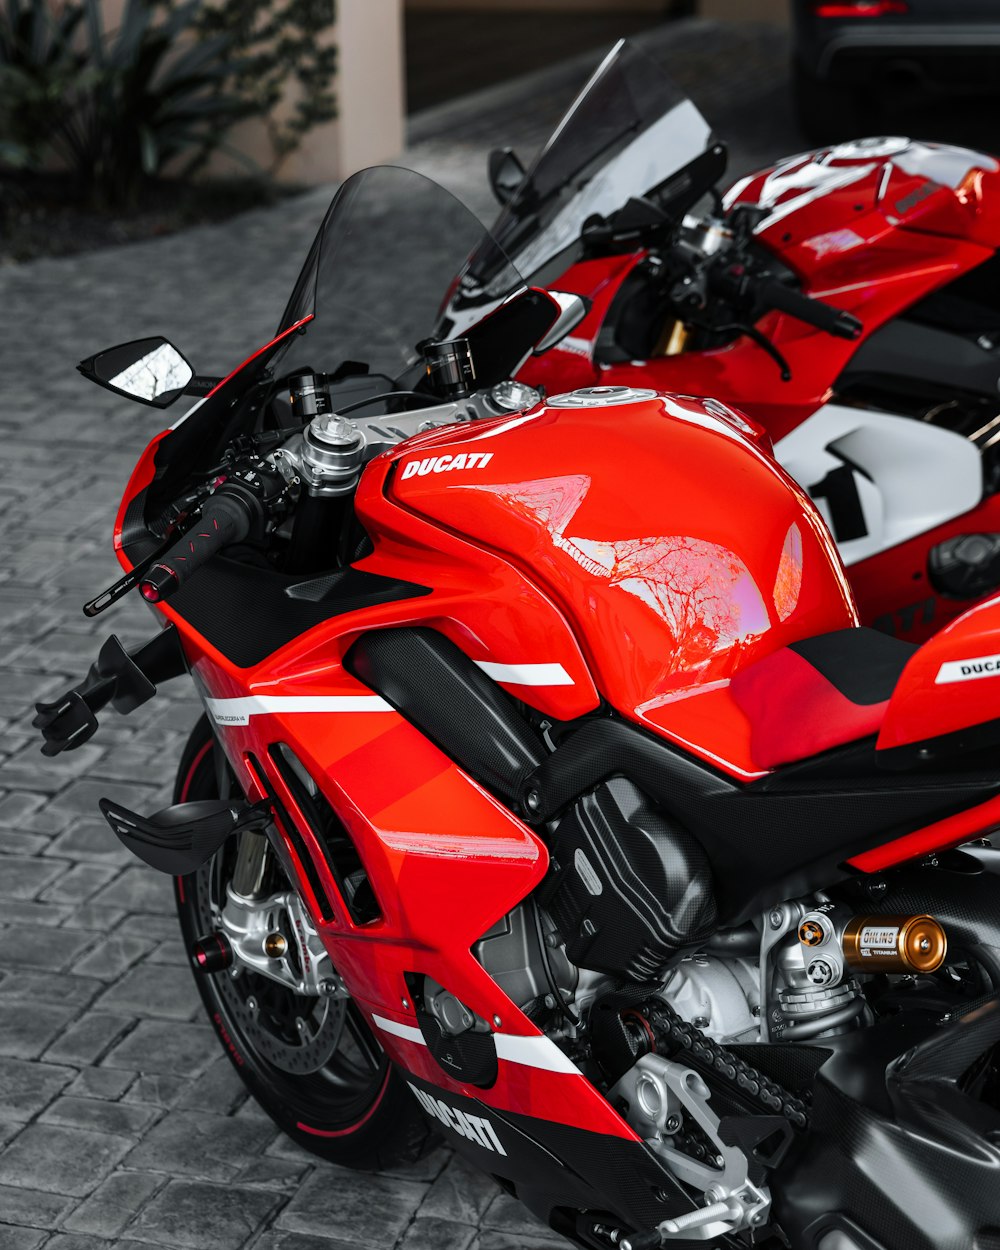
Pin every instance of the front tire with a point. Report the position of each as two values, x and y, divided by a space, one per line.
313 1065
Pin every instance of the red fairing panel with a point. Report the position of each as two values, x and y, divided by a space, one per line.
615 511
430 835
951 684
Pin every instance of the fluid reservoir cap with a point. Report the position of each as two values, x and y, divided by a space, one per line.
602 397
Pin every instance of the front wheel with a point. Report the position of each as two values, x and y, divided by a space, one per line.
311 1062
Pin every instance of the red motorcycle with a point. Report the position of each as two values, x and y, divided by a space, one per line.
549 796
846 299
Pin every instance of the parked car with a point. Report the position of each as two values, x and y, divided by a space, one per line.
850 55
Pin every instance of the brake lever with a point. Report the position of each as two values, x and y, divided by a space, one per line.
123 585
763 342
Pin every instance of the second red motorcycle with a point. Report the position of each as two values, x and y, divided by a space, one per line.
847 299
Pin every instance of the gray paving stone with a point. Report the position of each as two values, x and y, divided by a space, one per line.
50 949
60 1160
93 919
16 842
33 987
271 1173
160 929
100 1115
34 913
210 1147
169 1048
139 889
77 885
26 878
100 1083
506 1215
154 990
357 1206
15 1238
461 1194
276 1240
218 1090
190 1215
33 1207
26 1031
90 841
114 1204
433 1234
69 1241
80 797
498 1239
110 957
26 1088
86 1041
17 806
157 1089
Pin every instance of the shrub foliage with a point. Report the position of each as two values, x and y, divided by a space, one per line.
115 107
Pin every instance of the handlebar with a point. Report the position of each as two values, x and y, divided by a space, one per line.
225 519
814 312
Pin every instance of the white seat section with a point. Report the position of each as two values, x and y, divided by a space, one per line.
910 476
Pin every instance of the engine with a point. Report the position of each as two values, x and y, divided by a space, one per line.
628 887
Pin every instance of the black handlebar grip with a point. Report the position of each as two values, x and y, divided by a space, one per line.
225 519
813 311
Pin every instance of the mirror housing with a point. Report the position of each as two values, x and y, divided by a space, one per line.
505 172
151 371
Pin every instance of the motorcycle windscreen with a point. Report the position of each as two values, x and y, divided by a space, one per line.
629 131
388 249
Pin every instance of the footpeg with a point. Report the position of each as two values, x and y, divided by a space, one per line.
182 838
124 679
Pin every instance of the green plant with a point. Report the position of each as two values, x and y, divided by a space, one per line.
37 66
117 107
146 94
280 55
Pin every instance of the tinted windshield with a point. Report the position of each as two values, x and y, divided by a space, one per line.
379 268
630 130
373 283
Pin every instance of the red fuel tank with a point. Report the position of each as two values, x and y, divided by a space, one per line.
675 545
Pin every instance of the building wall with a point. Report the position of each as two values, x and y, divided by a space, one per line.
370 127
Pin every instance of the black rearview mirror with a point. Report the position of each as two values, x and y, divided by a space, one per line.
506 173
151 371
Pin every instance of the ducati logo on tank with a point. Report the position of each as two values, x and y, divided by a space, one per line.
476 1128
447 464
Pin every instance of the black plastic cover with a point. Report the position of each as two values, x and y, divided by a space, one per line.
439 689
628 887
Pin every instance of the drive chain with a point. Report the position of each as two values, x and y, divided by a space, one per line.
677 1035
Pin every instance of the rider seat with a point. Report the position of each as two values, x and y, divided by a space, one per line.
820 693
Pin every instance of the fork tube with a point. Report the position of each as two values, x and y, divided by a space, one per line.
251 864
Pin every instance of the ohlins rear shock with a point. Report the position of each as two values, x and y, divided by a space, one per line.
820 996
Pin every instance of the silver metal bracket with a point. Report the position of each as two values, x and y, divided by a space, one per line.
662 1095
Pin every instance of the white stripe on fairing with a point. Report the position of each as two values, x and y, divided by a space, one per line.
239 711
529 1052
406 1031
532 1052
526 674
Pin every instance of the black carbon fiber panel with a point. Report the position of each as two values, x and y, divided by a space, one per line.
772 839
247 613
437 687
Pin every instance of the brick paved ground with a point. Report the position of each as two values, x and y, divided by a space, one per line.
120 1120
